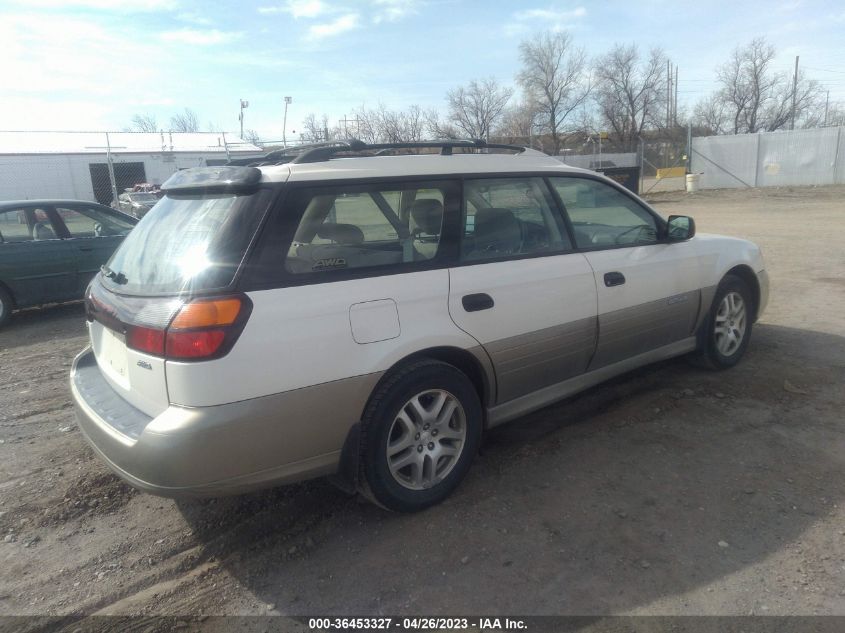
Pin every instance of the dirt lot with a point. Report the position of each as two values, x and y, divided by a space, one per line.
671 490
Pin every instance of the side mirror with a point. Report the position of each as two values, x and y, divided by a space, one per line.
679 228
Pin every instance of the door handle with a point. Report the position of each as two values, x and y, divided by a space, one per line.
476 302
89 249
614 279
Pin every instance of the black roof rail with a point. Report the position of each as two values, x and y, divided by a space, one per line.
284 155
319 152
323 153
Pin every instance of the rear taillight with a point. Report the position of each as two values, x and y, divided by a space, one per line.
145 339
200 329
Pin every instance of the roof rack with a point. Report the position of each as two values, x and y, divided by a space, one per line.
319 152
284 155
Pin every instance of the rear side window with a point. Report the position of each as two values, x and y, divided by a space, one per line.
348 227
187 243
26 225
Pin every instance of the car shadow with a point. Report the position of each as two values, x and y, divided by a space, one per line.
665 480
33 324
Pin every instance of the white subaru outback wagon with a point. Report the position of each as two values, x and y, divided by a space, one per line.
368 312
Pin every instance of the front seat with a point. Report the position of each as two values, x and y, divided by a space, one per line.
44 232
497 232
428 221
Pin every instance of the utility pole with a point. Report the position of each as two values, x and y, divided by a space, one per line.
675 102
794 91
346 123
111 169
288 101
826 104
244 105
668 93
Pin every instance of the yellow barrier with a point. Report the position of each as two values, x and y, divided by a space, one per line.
671 172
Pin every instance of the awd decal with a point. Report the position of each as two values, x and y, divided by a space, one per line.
677 299
329 262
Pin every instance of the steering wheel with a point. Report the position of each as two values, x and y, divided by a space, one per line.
639 228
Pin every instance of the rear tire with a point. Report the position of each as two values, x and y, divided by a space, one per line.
5 306
421 431
726 331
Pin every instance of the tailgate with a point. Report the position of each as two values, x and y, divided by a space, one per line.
137 377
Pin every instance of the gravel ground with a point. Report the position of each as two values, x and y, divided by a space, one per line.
671 490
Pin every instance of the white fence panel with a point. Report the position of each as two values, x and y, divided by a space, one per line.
725 162
771 159
799 157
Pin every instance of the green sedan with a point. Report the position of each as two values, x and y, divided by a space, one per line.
50 249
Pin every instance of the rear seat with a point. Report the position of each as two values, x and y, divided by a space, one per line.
346 252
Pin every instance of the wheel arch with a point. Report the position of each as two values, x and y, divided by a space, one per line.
4 287
747 274
476 366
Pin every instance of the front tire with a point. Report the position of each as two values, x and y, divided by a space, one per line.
727 329
5 306
422 429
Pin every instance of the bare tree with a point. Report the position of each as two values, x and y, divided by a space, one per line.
835 115
185 121
630 91
808 104
252 137
315 129
710 114
382 125
477 107
143 123
757 98
438 128
554 76
520 124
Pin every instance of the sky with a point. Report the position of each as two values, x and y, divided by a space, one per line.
93 64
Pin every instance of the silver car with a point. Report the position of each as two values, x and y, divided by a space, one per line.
136 203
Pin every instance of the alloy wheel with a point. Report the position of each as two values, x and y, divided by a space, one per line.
426 439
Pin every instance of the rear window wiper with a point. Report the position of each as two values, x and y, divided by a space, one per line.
118 278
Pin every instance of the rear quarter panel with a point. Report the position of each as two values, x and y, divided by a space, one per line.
301 336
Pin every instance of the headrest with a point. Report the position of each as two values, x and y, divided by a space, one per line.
497 227
428 216
341 233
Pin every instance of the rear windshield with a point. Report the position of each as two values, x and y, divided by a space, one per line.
187 243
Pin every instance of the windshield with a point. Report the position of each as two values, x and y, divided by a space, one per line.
186 243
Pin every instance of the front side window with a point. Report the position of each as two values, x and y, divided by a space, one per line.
364 226
601 216
88 222
510 216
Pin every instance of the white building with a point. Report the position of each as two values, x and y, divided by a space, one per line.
74 164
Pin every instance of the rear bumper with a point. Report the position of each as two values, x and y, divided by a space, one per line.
225 449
